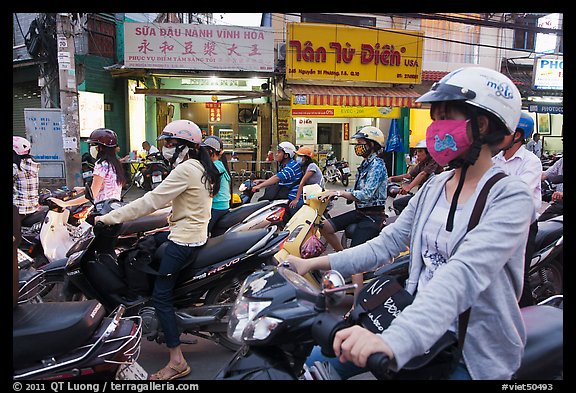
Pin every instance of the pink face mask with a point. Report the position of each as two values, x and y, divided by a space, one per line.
447 140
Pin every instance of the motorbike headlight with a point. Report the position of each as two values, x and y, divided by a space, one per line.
260 328
243 312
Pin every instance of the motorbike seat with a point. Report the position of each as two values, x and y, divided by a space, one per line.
221 248
35 217
543 353
155 220
42 330
236 215
548 232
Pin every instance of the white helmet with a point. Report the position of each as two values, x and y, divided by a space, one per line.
482 87
371 133
421 145
287 148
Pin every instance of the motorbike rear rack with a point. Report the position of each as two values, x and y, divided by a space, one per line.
128 345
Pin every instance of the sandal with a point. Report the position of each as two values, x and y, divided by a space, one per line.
170 372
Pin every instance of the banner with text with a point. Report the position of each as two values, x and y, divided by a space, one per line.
198 47
346 53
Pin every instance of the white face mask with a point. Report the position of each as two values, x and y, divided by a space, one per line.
299 160
94 151
168 152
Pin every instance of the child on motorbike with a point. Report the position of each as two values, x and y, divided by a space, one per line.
108 174
189 187
452 269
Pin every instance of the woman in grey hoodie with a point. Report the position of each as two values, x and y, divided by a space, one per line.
452 269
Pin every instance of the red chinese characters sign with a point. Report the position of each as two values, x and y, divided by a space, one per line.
347 53
198 47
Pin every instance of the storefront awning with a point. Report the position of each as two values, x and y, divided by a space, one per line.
356 96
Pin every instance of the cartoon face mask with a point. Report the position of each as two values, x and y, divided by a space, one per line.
447 140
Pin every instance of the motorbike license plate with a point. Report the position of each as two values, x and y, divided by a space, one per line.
156 178
345 170
131 372
86 174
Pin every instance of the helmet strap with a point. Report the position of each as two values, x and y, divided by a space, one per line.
177 152
454 203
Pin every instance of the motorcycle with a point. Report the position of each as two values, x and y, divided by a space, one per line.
75 341
280 316
304 224
548 187
87 168
155 169
205 289
251 215
335 170
51 231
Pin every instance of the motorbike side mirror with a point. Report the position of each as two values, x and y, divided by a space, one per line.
334 287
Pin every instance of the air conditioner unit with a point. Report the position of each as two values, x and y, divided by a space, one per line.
281 51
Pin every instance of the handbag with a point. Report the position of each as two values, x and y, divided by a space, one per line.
383 299
312 247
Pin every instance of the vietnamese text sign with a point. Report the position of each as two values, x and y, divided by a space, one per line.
198 47
345 53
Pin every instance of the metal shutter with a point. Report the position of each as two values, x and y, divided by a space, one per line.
25 95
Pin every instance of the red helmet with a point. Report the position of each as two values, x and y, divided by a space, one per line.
103 136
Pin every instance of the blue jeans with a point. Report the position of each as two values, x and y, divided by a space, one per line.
175 256
215 215
348 370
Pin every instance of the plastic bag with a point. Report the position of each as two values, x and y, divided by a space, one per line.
312 247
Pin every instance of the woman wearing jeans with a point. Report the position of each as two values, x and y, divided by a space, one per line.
189 188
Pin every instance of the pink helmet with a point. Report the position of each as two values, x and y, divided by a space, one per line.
20 145
182 129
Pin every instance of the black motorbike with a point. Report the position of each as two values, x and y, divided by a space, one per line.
155 169
336 170
205 290
280 316
75 340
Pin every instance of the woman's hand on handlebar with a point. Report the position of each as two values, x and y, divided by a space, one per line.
356 344
300 265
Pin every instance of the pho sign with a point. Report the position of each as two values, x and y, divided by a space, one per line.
549 73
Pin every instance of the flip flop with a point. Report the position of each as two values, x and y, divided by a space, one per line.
164 374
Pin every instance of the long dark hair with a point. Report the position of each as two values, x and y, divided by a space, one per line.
211 176
108 154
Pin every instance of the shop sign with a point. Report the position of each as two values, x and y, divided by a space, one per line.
198 47
345 111
546 108
549 72
348 53
300 99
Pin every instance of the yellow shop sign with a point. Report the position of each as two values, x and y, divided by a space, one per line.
346 53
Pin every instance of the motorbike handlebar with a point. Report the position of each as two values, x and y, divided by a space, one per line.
378 364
